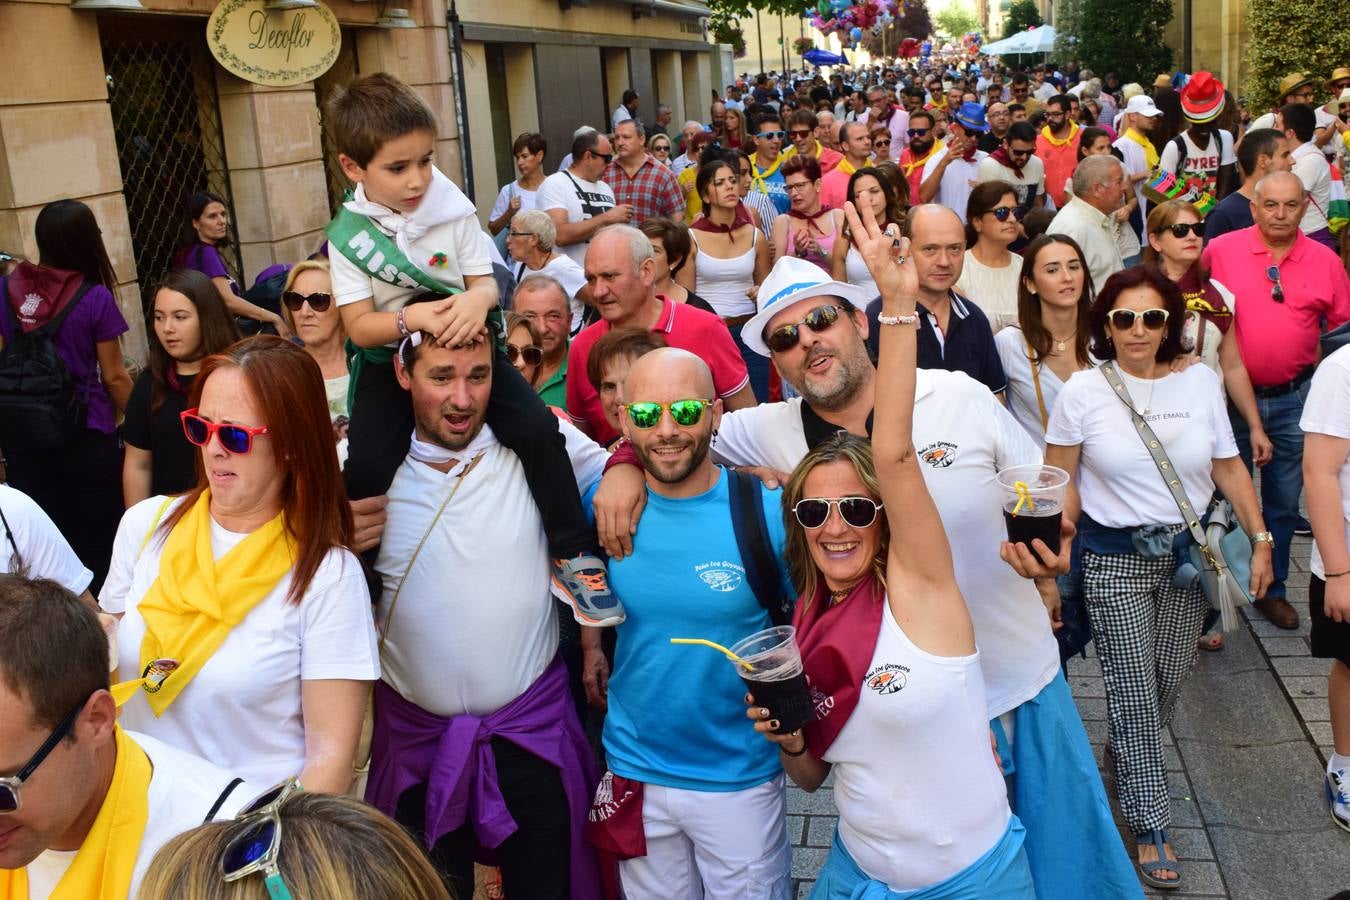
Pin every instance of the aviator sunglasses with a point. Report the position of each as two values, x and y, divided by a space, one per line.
533 355
1124 319
860 512
234 438
686 413
785 337
318 302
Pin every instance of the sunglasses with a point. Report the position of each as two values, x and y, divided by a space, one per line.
1276 289
785 337
319 302
918 132
1124 319
606 158
234 438
532 355
9 787
772 135
686 413
1179 230
798 135
1003 212
661 148
877 143
256 848
860 512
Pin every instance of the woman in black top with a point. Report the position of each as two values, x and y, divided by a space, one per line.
190 323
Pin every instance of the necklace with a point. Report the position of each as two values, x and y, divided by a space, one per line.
1061 345
837 597
1148 404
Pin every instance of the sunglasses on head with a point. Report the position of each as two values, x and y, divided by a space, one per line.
1124 319
860 512
256 848
772 135
918 132
686 413
318 302
234 438
1276 288
1179 230
9 787
1003 212
785 337
532 355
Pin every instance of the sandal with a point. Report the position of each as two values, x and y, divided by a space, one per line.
492 885
1149 870
1211 641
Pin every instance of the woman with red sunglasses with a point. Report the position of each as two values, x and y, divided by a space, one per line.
308 308
246 634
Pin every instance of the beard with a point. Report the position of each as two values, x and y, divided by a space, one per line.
836 390
673 471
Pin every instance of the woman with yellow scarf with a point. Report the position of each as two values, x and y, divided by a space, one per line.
246 634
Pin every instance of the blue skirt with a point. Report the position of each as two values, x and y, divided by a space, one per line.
1001 873
1072 842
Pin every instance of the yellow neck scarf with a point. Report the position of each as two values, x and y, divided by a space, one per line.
1150 154
757 177
196 601
913 164
103 866
846 167
1056 142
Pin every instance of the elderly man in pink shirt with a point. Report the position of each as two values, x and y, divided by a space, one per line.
1286 286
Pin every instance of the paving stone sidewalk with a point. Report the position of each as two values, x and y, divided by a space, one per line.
1246 753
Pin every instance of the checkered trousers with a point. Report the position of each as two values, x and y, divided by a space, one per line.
1145 630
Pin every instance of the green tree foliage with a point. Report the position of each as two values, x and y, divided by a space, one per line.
955 21
1293 36
1022 15
1126 37
1068 29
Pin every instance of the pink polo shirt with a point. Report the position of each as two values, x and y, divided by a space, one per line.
683 326
1279 340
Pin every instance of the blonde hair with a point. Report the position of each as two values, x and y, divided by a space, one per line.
842 447
332 847
308 265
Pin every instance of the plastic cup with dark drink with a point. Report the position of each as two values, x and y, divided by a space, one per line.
1033 503
772 671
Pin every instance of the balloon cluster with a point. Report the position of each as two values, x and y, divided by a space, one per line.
850 19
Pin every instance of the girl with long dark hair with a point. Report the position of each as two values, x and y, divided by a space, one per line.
205 229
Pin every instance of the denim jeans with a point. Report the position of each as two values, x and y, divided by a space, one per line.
1282 477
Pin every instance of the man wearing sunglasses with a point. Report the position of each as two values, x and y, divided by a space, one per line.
803 125
766 162
1015 162
578 200
676 715
64 760
1286 286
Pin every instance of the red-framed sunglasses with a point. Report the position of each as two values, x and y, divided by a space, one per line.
234 438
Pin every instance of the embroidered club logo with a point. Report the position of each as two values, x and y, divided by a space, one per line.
888 678
721 578
605 804
30 305
152 679
939 454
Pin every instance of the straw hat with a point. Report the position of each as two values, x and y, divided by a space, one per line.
1162 81
1292 82
1341 74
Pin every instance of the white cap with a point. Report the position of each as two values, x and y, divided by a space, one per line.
1143 105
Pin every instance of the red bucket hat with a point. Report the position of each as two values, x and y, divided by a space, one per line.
1202 98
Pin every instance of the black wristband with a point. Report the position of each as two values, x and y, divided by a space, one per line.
786 752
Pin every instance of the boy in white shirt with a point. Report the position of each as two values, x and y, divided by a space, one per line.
409 235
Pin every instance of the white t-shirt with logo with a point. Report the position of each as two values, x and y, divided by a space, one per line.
1327 411
183 789
42 549
964 437
1200 174
474 623
581 199
243 710
1118 481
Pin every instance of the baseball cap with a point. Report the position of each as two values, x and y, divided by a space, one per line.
1144 106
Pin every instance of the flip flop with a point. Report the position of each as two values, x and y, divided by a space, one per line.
1149 870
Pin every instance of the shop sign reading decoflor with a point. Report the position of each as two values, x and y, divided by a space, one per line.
277 47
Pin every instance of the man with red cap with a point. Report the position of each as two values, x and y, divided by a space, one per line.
1202 157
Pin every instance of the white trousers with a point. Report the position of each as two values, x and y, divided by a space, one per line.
703 845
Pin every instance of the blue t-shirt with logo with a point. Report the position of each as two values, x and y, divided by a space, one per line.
677 712
774 186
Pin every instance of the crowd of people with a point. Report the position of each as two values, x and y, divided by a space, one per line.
417 531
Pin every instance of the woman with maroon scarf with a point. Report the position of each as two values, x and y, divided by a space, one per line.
889 649
809 230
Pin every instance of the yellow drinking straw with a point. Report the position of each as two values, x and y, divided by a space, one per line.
1023 497
716 646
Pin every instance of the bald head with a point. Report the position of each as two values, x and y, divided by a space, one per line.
929 217
674 453
668 374
1281 183
938 247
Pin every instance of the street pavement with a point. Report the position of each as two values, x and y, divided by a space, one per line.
1246 753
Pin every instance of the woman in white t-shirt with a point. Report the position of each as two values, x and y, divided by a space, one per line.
308 307
1326 468
246 633
1144 624
517 196
991 272
531 243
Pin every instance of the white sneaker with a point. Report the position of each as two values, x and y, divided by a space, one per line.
1338 797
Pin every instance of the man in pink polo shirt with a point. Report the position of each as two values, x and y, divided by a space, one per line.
1285 286
620 270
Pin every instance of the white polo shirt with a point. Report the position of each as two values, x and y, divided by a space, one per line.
963 437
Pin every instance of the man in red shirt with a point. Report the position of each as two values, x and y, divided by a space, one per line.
620 270
1057 147
1285 285
639 181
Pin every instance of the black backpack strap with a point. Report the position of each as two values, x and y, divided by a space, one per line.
19 567
752 540
1180 143
220 801
50 328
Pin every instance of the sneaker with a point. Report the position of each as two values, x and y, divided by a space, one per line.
1302 528
585 583
1338 797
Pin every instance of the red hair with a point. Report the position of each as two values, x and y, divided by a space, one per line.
288 387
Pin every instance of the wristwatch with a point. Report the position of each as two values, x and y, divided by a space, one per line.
1263 537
